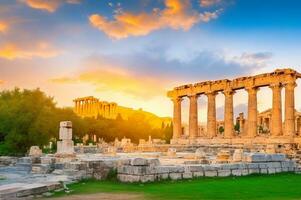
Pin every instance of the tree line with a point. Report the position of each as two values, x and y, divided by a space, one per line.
30 117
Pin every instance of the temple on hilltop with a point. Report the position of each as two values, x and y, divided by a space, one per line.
95 108
245 131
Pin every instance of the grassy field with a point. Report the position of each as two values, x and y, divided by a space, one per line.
280 186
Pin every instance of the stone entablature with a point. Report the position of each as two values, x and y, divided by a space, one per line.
276 81
93 107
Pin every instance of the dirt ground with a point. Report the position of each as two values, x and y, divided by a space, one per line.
102 196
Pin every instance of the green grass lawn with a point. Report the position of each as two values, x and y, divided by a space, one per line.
280 186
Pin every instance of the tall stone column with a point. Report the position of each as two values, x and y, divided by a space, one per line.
211 115
193 116
276 118
228 116
289 109
177 121
252 112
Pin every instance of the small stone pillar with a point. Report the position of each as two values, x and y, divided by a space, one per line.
65 146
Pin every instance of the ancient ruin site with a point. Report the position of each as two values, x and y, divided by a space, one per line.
150 100
231 153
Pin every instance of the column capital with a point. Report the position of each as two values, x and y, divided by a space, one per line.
228 92
193 96
290 85
252 89
176 99
275 85
211 93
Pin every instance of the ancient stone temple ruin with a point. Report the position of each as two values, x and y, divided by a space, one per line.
93 107
280 132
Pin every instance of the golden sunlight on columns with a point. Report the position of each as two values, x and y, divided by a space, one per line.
211 115
276 119
193 116
228 116
289 109
252 112
177 121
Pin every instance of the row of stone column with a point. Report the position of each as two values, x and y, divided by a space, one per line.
85 106
276 120
93 108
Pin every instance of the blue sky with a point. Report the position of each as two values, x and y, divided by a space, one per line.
132 51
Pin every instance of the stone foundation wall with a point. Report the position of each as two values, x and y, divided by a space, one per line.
149 170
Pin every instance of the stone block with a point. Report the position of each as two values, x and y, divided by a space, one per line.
176 169
198 174
47 160
147 178
41 168
153 162
278 170
252 165
162 176
171 152
210 173
187 175
244 172
254 171
284 169
194 168
35 151
224 173
128 178
237 155
175 176
162 169
263 170
274 165
278 157
65 133
263 165
139 162
236 172
271 170
255 157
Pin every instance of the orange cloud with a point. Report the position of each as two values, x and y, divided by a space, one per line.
1 82
3 27
208 3
12 51
48 5
117 81
178 14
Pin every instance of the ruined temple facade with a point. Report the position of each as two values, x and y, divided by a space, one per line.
93 107
279 132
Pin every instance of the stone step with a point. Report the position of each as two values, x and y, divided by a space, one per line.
23 190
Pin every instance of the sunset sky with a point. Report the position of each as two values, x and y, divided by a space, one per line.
133 51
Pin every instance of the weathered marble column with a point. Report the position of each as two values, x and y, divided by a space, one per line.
211 115
289 109
177 122
193 116
252 112
276 118
228 116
